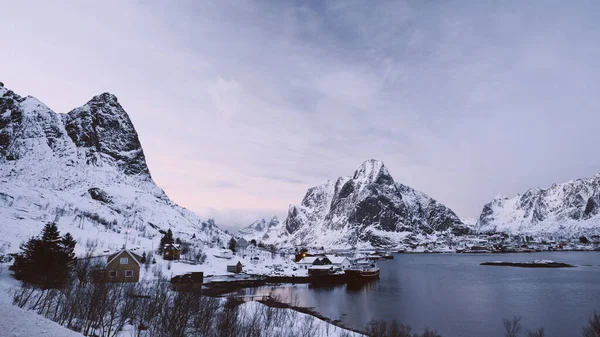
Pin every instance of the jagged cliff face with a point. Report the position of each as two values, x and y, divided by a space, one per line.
567 208
368 208
83 167
102 127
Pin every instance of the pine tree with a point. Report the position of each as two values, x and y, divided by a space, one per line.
165 240
232 244
46 262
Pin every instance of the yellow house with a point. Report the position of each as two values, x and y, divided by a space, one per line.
123 266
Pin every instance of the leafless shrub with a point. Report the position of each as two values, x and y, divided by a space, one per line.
392 329
512 327
536 333
593 327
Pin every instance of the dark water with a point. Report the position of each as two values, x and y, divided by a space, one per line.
452 294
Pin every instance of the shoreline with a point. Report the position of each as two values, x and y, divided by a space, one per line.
273 303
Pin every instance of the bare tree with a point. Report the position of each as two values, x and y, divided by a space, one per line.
512 327
593 328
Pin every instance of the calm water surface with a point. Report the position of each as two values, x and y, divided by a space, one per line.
454 295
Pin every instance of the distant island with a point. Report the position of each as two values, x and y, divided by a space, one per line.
530 264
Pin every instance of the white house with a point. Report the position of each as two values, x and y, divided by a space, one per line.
307 261
340 262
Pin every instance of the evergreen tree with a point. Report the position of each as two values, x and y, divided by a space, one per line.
169 237
46 262
165 240
232 244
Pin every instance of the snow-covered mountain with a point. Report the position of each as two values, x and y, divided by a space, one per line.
569 208
86 171
261 230
367 209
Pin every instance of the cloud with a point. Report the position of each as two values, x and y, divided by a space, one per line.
242 106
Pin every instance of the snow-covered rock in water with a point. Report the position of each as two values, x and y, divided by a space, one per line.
367 209
261 230
86 171
569 208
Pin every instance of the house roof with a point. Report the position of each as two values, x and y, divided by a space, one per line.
135 257
309 259
233 265
172 245
337 259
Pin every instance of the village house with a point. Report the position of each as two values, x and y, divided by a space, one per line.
121 267
307 261
235 268
339 262
190 282
171 252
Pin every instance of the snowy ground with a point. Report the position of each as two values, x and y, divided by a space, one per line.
215 268
17 322
298 322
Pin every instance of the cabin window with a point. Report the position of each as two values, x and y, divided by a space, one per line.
112 274
129 273
124 260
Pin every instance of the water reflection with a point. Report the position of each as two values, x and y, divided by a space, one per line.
363 287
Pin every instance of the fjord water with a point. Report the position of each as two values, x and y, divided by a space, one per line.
454 295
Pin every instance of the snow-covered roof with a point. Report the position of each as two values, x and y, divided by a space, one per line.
176 246
337 259
309 259
321 267
133 256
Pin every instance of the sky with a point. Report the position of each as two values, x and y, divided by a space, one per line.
241 106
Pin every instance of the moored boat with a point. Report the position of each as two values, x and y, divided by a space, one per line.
387 255
362 272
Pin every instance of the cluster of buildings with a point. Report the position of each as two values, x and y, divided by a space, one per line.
505 243
323 264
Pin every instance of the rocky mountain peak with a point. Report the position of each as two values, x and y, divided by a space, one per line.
106 97
260 230
570 207
102 126
86 171
368 208
372 171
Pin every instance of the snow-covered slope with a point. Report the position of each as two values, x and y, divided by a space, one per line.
261 230
568 208
367 209
86 171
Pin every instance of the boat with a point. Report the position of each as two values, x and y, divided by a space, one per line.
387 255
326 274
362 272
373 256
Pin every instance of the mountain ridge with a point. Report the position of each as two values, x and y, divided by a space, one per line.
366 209
85 166
568 208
